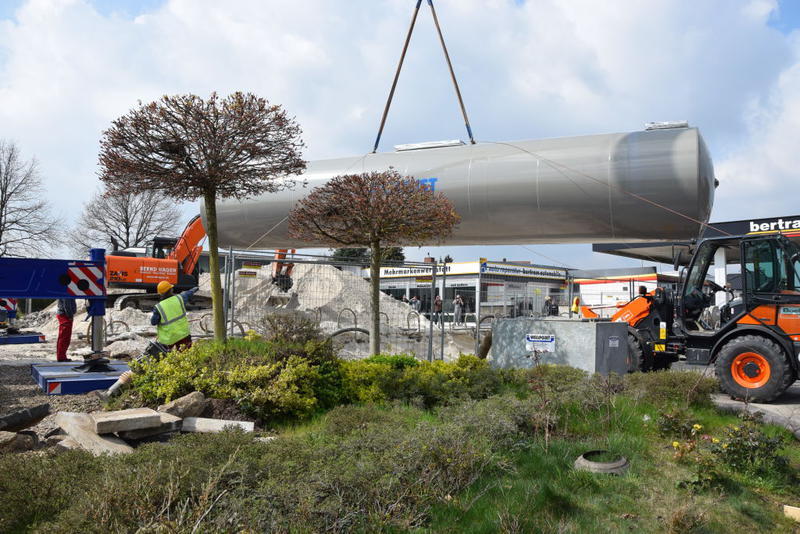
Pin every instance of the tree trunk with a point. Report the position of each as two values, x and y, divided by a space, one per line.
213 266
375 282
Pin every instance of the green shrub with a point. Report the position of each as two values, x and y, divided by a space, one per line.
290 327
381 379
365 469
558 382
364 381
669 388
397 361
266 378
676 423
745 447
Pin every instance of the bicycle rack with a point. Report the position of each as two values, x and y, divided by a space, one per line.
339 318
408 320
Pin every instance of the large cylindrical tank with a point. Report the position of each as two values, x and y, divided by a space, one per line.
638 186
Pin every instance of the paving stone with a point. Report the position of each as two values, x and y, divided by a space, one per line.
17 442
791 511
169 423
67 444
80 427
122 420
203 424
22 419
191 405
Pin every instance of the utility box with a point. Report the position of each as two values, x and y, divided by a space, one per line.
594 346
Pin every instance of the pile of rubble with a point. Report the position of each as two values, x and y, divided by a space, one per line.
116 432
338 298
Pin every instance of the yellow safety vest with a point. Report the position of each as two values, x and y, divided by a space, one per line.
174 324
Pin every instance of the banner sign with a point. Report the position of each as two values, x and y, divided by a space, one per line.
540 343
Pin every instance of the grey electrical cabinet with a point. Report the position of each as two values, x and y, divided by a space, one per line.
594 346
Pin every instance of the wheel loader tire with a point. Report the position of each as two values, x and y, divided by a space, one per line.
638 358
753 368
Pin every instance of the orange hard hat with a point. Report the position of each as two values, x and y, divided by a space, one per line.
163 287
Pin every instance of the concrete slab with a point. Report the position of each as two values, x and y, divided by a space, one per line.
202 424
122 420
784 411
169 423
80 427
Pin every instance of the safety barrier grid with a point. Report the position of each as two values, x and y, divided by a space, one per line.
336 295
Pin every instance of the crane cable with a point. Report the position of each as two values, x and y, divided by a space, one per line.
400 67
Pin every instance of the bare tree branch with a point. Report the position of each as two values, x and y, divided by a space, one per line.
130 219
26 226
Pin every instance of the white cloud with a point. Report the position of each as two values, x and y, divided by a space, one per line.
538 69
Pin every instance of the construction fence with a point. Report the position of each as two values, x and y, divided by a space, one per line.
429 314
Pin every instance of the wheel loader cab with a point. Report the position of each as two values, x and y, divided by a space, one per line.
697 292
770 267
755 346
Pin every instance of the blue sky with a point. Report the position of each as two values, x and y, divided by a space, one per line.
527 70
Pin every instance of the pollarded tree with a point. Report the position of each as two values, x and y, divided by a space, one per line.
373 210
190 148
124 219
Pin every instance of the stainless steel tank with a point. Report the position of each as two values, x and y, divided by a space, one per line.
647 185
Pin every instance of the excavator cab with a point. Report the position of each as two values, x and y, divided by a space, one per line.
161 247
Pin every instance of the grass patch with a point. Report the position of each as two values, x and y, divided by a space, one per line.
496 464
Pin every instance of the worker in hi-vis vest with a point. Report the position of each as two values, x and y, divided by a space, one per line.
169 317
576 305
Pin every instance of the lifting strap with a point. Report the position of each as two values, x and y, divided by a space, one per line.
400 66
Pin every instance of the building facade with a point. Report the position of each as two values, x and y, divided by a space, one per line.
501 288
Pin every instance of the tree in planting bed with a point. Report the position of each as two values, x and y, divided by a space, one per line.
373 210
190 148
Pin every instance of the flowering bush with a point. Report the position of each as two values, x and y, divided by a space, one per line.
747 448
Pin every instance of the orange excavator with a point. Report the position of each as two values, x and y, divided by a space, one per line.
174 260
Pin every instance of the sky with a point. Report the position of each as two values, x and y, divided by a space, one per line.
527 69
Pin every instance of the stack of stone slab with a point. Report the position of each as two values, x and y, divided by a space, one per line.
113 432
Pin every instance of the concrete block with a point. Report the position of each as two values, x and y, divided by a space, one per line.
595 347
191 405
80 427
202 424
122 420
169 423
